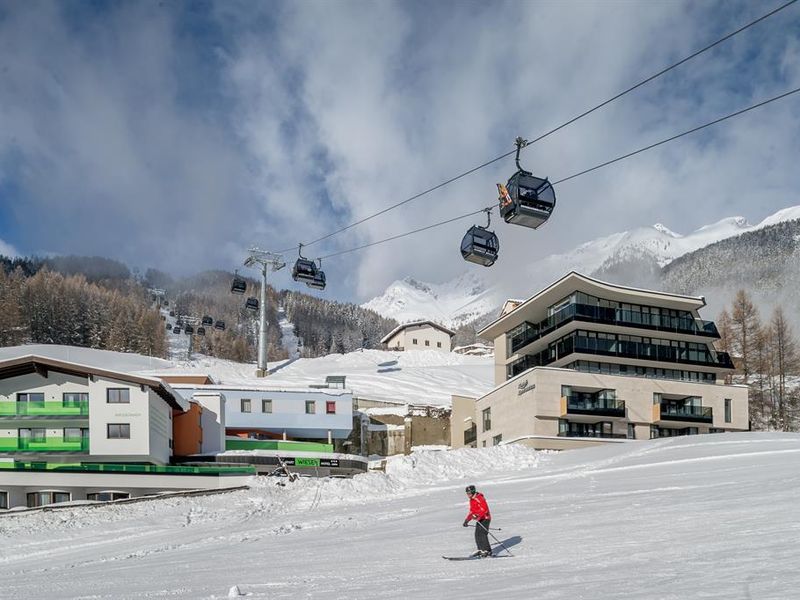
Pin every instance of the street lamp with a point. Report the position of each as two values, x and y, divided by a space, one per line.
263 260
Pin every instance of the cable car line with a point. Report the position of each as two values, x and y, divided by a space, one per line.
552 131
584 172
675 137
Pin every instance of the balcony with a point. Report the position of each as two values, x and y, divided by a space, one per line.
586 313
694 414
77 408
601 407
50 444
470 435
593 434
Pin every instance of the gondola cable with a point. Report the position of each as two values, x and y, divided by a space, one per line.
575 175
555 129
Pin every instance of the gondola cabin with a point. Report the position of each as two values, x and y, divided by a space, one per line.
169 326
480 246
239 285
220 325
208 320
189 330
526 200
176 330
318 283
304 270
251 304
201 331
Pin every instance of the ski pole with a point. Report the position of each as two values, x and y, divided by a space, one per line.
493 528
494 538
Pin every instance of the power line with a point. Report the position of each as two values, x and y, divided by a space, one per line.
584 172
552 131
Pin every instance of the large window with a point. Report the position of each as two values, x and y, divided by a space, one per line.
3 499
118 396
266 406
75 434
50 497
119 431
311 407
30 397
497 439
107 496
33 434
245 405
487 418
727 410
330 407
74 398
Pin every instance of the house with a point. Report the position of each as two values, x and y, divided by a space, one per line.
419 335
73 431
585 362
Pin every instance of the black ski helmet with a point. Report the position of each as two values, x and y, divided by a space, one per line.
470 489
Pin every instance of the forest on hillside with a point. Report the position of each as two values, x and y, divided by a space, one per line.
99 303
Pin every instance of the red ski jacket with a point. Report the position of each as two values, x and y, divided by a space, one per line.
478 509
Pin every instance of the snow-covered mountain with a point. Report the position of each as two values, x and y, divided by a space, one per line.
636 256
453 303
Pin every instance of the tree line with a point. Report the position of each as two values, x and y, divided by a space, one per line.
767 361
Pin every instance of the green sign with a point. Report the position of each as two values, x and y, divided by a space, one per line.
306 462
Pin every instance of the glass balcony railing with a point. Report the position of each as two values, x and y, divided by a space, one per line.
671 412
530 332
622 349
48 444
595 406
592 434
77 408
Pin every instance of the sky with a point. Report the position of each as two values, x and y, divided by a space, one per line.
176 135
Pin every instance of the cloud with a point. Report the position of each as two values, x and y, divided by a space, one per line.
7 249
176 138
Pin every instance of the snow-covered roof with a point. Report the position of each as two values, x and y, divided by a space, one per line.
400 328
262 388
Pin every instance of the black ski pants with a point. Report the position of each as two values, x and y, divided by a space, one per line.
482 534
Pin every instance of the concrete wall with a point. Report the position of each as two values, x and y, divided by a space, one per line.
135 413
212 421
461 418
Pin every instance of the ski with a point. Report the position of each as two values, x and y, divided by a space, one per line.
474 557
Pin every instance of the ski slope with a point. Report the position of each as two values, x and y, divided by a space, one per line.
714 516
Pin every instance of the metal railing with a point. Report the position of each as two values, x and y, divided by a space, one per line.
686 413
46 444
123 468
592 434
597 406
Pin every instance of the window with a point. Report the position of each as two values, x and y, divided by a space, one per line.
414 341
715 430
330 407
74 398
438 344
310 407
245 405
74 434
266 406
33 435
3 499
119 431
487 419
118 396
631 431
41 498
107 496
497 439
35 397
727 410
427 342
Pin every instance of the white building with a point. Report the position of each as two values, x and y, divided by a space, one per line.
419 335
280 412
71 431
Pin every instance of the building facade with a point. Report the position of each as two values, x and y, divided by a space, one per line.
419 335
584 361
70 431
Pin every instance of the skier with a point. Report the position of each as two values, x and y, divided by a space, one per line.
479 510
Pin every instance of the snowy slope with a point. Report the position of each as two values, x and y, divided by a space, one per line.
467 297
414 377
712 516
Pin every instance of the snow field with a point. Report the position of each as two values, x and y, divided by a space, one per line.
713 516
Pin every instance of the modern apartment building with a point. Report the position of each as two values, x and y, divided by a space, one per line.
585 362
